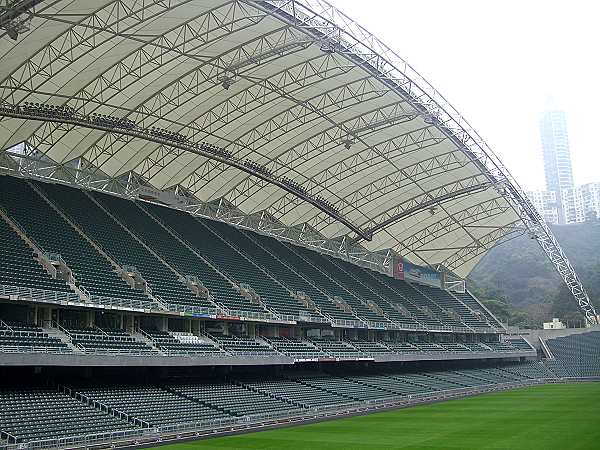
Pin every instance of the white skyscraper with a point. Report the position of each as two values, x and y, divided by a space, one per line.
557 159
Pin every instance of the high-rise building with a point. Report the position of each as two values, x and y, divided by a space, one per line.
545 203
588 201
557 157
580 204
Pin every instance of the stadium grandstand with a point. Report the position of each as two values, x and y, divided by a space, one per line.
229 214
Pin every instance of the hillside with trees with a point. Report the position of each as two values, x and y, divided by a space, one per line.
518 282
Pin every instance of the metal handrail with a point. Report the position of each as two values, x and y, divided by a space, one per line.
5 325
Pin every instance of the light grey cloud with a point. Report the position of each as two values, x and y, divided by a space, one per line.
498 62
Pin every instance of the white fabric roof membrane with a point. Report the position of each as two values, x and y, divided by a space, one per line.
294 86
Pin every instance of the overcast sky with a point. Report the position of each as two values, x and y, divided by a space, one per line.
498 63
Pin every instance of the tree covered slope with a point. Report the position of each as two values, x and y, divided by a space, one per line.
519 274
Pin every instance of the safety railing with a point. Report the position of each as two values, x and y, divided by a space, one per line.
195 354
117 351
26 293
254 315
5 326
344 323
192 309
128 304
304 356
34 349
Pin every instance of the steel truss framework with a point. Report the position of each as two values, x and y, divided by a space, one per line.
294 86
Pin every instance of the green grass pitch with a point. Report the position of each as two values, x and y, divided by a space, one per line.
564 416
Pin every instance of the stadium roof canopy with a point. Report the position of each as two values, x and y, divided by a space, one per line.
332 137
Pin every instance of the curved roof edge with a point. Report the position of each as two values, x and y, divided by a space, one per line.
336 32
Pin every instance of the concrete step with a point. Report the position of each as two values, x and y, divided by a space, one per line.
146 340
56 333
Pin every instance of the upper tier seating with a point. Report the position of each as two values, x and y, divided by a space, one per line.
23 337
429 347
18 268
316 287
448 302
190 231
95 340
370 348
476 346
118 243
520 344
244 346
402 347
454 347
382 296
91 270
296 257
153 405
475 306
504 346
352 292
337 349
182 344
296 348
415 293
278 260
276 298
33 414
413 301
172 250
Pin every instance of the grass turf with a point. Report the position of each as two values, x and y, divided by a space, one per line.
564 416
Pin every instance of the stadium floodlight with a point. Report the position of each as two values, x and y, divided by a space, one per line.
327 47
429 119
12 33
226 82
277 51
347 143
15 17
386 121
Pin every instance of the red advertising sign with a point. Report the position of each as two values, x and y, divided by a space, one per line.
399 269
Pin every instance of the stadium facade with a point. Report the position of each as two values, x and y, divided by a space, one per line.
257 197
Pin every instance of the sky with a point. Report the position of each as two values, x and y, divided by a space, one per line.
502 64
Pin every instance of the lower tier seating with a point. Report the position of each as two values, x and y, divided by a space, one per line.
33 414
42 413
153 405
234 399
577 355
